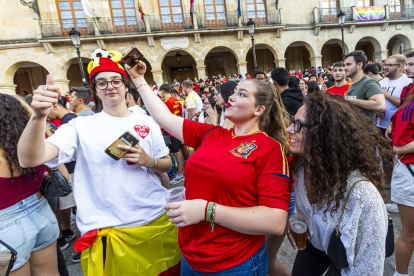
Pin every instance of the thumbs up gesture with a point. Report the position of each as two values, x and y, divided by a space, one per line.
44 98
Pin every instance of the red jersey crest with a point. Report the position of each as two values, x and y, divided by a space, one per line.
244 150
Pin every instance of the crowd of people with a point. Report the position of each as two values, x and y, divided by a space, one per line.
256 154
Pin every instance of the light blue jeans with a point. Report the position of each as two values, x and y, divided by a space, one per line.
256 265
27 226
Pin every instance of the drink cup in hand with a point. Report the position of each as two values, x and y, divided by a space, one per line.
298 230
175 194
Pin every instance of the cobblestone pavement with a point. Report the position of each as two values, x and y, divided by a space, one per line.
286 252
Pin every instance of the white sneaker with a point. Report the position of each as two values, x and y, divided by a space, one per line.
392 207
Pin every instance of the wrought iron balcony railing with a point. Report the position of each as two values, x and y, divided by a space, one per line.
401 12
156 23
329 15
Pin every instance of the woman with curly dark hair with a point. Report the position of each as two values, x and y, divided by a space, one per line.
27 223
338 154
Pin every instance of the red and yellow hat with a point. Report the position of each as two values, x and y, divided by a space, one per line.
103 61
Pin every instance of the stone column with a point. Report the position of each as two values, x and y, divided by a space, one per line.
381 55
9 89
157 76
242 68
63 85
201 69
281 62
316 61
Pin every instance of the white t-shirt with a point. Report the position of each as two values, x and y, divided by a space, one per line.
111 193
193 101
138 109
394 88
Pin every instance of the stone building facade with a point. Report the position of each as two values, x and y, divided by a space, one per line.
212 39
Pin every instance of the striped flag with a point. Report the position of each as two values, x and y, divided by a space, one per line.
141 11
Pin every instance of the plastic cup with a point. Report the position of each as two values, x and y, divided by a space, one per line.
175 194
298 231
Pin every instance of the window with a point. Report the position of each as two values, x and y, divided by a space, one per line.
123 13
171 13
395 8
365 3
72 16
215 12
330 10
256 10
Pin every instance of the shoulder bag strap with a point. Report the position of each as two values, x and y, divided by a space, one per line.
343 207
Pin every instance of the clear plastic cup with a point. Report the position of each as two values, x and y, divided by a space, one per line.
175 194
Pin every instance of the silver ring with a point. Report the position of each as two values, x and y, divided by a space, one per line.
45 87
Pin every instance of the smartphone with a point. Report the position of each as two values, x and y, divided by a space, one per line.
130 56
127 139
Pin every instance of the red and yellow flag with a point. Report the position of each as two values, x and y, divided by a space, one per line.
141 11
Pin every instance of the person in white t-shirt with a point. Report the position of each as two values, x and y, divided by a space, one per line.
132 98
193 102
393 84
120 202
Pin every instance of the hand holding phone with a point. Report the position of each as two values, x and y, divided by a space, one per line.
126 139
131 56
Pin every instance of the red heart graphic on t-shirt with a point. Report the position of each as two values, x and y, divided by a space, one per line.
142 131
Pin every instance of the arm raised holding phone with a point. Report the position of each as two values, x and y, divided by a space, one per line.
158 110
32 149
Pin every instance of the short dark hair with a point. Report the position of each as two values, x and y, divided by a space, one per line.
373 68
173 91
62 102
134 92
188 84
83 93
310 76
338 64
281 76
359 56
410 54
293 81
379 66
164 87
259 72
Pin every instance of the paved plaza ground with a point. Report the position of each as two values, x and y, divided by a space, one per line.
286 252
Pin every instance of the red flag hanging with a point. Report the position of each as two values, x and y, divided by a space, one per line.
141 11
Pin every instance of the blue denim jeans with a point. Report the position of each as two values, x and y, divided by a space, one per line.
256 265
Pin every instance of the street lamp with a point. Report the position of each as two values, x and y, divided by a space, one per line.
178 57
341 19
251 25
75 37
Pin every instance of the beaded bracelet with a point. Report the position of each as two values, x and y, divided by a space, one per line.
209 211
213 216
153 164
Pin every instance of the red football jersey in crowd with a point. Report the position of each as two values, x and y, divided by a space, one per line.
342 90
235 171
403 130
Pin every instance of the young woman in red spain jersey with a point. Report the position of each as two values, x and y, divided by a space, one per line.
402 183
237 181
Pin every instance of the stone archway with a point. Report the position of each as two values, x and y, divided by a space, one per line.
371 47
172 69
73 73
398 44
298 56
221 60
332 51
28 76
266 58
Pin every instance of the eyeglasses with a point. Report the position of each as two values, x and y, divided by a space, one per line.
389 65
104 84
297 125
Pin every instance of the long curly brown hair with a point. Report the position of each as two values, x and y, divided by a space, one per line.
339 139
13 120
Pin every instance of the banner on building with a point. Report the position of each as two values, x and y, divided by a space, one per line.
141 11
370 13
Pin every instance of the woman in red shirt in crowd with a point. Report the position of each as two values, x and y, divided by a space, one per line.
402 183
237 179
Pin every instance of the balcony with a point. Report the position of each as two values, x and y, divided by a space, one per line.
401 12
59 28
323 15
331 15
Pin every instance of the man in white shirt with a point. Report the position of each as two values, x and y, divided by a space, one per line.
131 100
193 103
392 86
